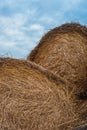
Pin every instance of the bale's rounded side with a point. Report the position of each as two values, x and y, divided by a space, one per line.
32 98
63 50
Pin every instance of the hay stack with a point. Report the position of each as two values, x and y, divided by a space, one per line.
32 98
63 50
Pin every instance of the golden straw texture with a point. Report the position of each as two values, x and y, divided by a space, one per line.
32 98
63 50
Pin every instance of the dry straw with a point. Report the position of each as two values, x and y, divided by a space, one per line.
32 98
63 50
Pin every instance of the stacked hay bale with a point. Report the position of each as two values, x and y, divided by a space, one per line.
32 98
55 98
63 50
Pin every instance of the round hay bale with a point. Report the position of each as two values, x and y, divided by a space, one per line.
33 98
63 50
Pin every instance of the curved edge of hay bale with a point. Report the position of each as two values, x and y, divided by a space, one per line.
26 63
65 28
20 62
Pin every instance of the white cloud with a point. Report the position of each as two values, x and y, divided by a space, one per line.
46 19
36 27
16 33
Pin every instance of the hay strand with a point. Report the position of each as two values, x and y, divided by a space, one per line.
31 98
63 50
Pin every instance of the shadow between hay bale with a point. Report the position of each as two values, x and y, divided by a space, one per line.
63 50
32 98
82 127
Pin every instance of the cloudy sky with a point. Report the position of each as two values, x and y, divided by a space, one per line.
24 22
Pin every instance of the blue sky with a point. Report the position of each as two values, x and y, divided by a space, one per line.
24 22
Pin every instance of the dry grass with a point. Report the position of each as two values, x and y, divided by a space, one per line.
82 127
32 98
63 50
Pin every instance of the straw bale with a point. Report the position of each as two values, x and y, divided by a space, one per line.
33 98
63 50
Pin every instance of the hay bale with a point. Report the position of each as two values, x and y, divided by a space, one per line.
83 127
63 50
32 98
